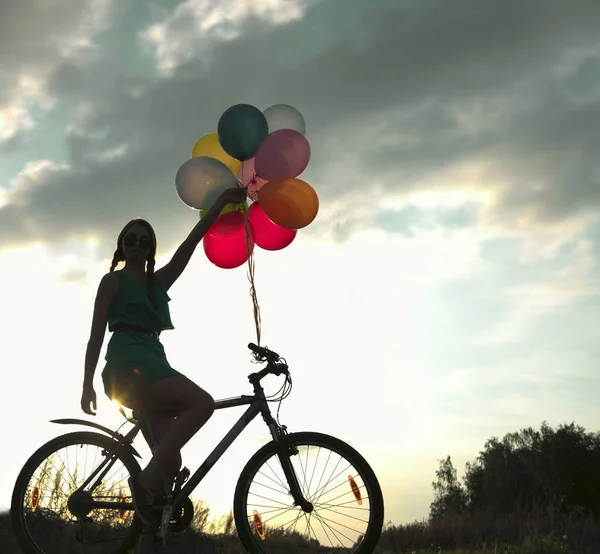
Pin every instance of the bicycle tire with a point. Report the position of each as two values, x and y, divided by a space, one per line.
44 453
309 439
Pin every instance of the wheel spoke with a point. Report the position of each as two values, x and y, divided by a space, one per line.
297 520
345 493
334 531
340 524
284 525
305 488
323 473
315 466
265 498
281 482
324 530
323 491
348 516
277 482
265 506
345 505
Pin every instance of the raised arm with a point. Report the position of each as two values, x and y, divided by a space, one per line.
174 268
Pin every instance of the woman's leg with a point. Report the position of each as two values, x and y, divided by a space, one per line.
193 406
159 425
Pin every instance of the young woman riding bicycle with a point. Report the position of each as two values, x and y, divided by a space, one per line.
133 302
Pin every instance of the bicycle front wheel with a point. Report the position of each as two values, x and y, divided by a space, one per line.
333 476
57 500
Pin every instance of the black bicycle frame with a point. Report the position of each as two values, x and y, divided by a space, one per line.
257 405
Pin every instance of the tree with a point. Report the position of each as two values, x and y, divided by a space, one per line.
450 496
524 469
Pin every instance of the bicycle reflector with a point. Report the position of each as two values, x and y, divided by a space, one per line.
121 516
355 489
258 524
35 497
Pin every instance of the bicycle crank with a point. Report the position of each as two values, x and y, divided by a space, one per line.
167 513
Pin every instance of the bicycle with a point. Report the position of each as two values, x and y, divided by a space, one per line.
274 493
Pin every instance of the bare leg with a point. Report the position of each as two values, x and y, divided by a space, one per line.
159 426
193 406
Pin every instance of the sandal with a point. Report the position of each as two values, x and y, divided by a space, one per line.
143 499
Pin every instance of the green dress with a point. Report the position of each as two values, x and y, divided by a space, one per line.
135 358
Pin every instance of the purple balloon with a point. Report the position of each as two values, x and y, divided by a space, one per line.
283 154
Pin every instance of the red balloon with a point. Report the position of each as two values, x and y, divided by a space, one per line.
268 235
225 242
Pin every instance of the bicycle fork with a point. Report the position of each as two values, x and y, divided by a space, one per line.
284 452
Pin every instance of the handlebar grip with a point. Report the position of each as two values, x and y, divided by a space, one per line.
263 351
254 348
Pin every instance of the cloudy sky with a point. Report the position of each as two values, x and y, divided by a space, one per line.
447 291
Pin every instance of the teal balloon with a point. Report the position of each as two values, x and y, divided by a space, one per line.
241 129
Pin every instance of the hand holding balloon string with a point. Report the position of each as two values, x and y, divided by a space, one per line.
233 195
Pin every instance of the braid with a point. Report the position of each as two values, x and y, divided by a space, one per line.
150 279
117 257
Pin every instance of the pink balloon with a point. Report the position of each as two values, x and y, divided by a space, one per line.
225 242
283 154
267 234
247 175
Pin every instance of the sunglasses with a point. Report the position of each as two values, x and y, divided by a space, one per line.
131 240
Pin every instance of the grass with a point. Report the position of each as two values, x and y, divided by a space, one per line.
216 536
539 532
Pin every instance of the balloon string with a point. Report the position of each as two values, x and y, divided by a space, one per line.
250 253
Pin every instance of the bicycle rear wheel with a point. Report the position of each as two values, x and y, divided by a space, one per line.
52 514
347 499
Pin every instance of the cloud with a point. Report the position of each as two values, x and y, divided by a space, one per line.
74 275
413 102
570 277
15 121
34 38
194 24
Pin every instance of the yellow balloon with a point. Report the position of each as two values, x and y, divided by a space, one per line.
209 145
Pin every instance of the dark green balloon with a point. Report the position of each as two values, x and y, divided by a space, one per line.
241 129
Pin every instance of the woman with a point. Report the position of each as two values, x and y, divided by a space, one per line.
134 304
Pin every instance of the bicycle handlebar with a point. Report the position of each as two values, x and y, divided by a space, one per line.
264 352
275 366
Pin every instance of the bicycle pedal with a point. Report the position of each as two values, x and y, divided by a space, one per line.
184 475
181 477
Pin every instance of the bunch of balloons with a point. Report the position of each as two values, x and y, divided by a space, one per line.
264 152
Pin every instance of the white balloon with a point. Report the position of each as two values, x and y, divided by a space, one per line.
201 180
284 116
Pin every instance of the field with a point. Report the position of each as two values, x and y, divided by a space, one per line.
544 532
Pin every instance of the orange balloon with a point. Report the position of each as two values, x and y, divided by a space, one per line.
291 204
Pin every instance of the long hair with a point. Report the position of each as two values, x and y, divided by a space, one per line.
119 255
